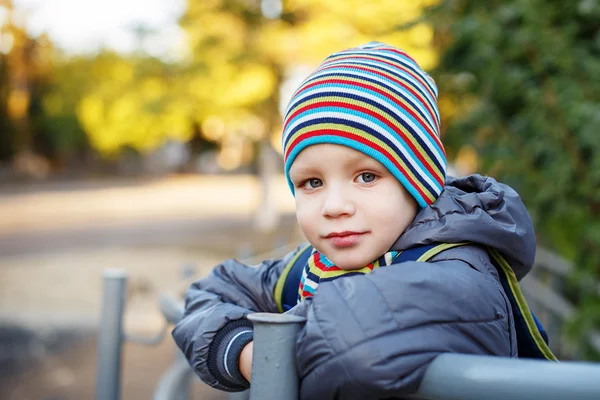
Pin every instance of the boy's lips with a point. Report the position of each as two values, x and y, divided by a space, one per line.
344 239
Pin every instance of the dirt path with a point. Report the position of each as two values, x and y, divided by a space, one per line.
71 375
57 239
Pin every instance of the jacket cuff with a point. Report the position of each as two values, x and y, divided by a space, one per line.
224 354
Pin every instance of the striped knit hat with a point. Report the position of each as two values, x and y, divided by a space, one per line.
375 99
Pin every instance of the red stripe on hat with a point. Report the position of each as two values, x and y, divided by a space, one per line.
425 125
365 86
355 107
351 136
401 52
406 86
376 72
374 58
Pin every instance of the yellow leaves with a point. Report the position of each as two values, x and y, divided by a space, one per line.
467 160
18 103
369 18
448 107
220 35
213 128
233 123
91 111
235 131
327 27
6 42
140 115
123 108
122 72
323 36
235 66
228 89
250 85
275 139
421 35
153 89
417 41
277 43
195 7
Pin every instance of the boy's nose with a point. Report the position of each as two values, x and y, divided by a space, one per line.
337 204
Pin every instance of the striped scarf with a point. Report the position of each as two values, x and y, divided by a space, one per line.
320 269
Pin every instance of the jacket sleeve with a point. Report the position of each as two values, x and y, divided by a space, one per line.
373 336
214 328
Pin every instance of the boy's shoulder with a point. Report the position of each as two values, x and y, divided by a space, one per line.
286 289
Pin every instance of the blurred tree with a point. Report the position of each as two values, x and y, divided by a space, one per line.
241 51
133 101
226 89
519 84
6 43
14 93
55 117
30 136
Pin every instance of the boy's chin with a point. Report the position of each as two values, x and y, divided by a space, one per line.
352 258
350 267
349 263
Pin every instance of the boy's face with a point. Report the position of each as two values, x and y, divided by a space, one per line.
348 205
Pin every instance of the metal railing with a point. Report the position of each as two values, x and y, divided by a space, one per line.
448 377
543 288
174 383
469 377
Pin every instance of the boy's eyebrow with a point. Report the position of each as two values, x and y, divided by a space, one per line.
303 170
359 162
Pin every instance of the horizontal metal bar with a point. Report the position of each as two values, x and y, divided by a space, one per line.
594 339
556 304
552 301
149 340
471 377
555 264
552 262
171 309
174 380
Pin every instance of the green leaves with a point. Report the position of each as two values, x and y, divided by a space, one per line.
533 70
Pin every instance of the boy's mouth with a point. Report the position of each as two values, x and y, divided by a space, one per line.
345 238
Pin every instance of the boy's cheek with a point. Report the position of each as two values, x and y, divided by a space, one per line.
307 219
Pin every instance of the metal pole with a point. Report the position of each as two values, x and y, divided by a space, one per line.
245 395
474 377
110 335
187 271
186 380
274 375
174 384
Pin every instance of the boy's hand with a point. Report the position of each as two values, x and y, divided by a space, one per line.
245 363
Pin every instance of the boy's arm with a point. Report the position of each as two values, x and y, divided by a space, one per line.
214 328
373 336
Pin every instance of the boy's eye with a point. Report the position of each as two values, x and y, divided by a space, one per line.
313 183
367 177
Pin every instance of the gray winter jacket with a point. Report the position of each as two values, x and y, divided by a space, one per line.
372 336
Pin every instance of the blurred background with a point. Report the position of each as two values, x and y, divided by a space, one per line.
145 135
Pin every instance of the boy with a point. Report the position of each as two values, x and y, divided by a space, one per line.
365 163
